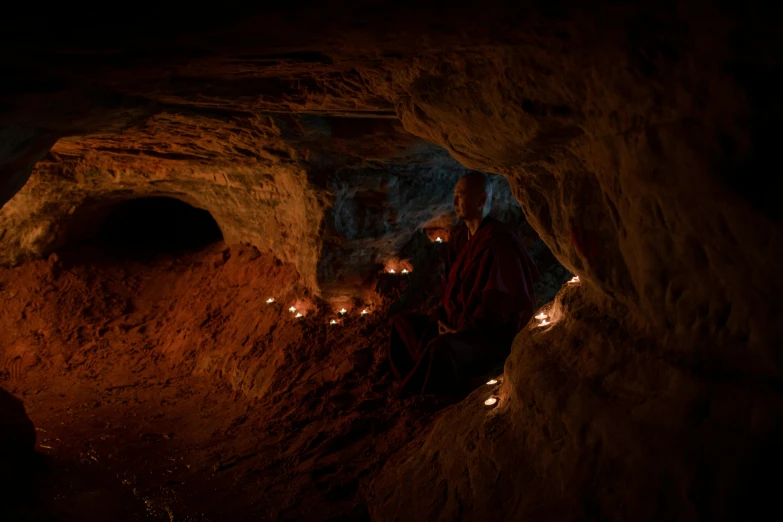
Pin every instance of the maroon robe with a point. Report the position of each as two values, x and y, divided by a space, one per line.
488 299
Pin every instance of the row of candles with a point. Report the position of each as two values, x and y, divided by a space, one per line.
544 317
293 310
541 316
492 400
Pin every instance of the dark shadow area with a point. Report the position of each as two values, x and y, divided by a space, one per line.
141 228
157 226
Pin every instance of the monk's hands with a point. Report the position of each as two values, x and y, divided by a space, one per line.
443 328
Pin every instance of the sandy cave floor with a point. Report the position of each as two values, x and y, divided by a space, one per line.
169 390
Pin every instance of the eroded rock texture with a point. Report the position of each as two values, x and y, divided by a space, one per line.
633 137
336 196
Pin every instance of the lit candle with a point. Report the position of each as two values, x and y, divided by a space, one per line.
490 401
574 279
544 323
298 315
404 271
365 312
270 300
391 271
343 311
438 240
492 381
332 322
540 316
292 309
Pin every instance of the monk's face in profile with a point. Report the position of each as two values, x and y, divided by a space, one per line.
469 199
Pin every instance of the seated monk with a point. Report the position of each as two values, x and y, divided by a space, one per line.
488 299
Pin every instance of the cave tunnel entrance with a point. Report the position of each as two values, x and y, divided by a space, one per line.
147 227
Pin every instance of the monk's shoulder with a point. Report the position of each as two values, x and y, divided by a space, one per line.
501 233
503 239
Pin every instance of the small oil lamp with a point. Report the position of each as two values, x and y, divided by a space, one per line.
492 381
491 401
292 309
270 300
438 240
540 316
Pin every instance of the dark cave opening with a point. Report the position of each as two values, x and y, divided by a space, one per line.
144 227
158 225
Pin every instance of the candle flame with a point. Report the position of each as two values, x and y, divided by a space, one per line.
391 271
492 381
292 309
270 300
298 315
574 279
540 316
490 401
365 312
544 323
343 310
404 271
332 322
438 239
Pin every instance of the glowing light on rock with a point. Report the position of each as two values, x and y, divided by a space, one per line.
298 315
404 271
574 279
491 401
544 323
492 381
540 316
438 240
392 271
270 300
332 322
292 309
365 312
343 311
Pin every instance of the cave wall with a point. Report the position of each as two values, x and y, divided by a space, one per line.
337 197
263 200
657 389
622 163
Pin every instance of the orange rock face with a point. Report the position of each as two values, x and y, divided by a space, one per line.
635 140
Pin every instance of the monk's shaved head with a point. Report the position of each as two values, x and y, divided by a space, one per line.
473 196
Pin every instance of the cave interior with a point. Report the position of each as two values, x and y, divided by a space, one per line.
208 218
